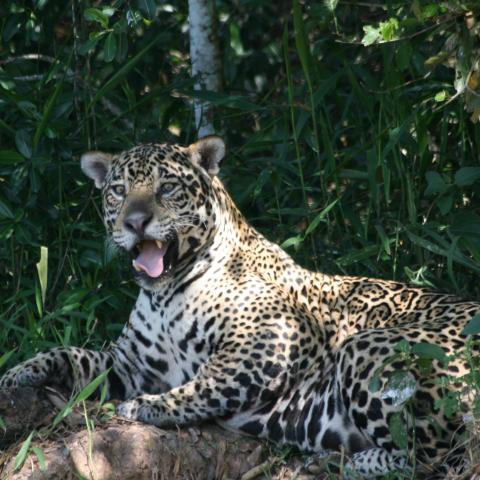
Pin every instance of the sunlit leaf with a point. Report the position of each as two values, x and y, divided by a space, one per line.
400 387
42 270
91 387
371 35
23 452
40 457
331 5
319 217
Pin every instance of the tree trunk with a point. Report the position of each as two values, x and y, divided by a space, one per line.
205 58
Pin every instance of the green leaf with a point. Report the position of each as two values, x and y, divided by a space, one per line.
262 179
314 223
371 35
42 270
40 456
103 394
133 18
445 204
110 49
292 241
398 430
431 10
359 255
330 5
449 405
403 346
108 11
389 29
3 425
5 357
63 413
354 174
23 141
441 96
83 395
11 26
122 47
96 15
147 7
384 239
23 452
429 351
91 387
10 157
434 248
467 176
435 184
6 210
473 326
436 59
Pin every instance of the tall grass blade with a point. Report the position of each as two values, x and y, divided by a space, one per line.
42 270
23 452
301 42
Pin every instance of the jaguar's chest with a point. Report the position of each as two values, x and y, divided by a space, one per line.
171 336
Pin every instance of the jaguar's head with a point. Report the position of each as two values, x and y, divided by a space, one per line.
158 202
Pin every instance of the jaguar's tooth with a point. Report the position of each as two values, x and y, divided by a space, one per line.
135 266
159 243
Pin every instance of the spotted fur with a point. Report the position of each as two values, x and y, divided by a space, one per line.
238 332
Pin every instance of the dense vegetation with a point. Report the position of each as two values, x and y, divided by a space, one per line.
352 129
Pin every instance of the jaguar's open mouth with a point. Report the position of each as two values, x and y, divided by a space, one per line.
155 258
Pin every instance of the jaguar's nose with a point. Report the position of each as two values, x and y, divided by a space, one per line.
137 222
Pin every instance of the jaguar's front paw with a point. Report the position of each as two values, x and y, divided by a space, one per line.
142 410
129 409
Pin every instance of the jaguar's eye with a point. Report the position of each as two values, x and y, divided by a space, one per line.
167 188
119 190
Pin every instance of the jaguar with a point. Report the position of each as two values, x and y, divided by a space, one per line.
227 327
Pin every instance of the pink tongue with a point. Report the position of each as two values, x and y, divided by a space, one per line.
150 259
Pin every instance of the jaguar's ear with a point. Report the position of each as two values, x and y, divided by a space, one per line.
208 152
95 165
